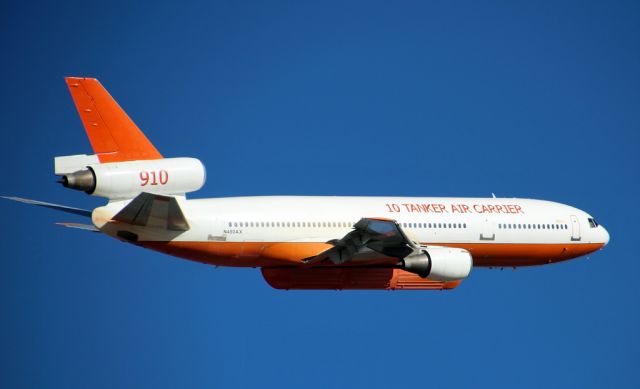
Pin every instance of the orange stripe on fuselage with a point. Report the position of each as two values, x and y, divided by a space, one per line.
524 254
261 254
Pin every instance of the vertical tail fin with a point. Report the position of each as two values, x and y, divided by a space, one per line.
113 135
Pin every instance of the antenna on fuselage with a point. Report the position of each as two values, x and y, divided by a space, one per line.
493 195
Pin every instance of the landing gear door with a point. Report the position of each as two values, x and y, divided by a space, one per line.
488 230
575 228
216 231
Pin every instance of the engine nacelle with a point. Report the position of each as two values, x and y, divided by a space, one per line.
440 263
121 180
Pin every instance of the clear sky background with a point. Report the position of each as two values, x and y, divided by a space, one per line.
439 98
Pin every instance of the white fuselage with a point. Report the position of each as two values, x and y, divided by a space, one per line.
505 229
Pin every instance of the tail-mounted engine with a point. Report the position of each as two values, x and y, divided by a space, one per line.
124 180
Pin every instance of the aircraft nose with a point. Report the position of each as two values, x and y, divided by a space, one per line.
605 236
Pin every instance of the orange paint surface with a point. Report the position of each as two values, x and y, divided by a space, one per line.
113 135
241 254
266 254
521 254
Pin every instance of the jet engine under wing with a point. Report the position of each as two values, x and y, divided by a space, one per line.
371 239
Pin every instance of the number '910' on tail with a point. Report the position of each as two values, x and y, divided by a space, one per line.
125 162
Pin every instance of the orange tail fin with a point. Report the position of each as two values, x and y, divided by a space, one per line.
113 135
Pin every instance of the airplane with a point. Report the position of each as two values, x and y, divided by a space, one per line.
304 242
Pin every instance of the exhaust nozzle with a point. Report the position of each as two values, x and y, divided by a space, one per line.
84 180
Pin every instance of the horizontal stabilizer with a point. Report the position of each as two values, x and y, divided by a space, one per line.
154 211
86 227
63 208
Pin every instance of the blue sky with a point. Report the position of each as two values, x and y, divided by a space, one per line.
537 99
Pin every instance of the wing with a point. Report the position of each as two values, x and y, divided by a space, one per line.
57 207
372 240
377 254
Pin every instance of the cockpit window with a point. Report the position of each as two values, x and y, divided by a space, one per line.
592 222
